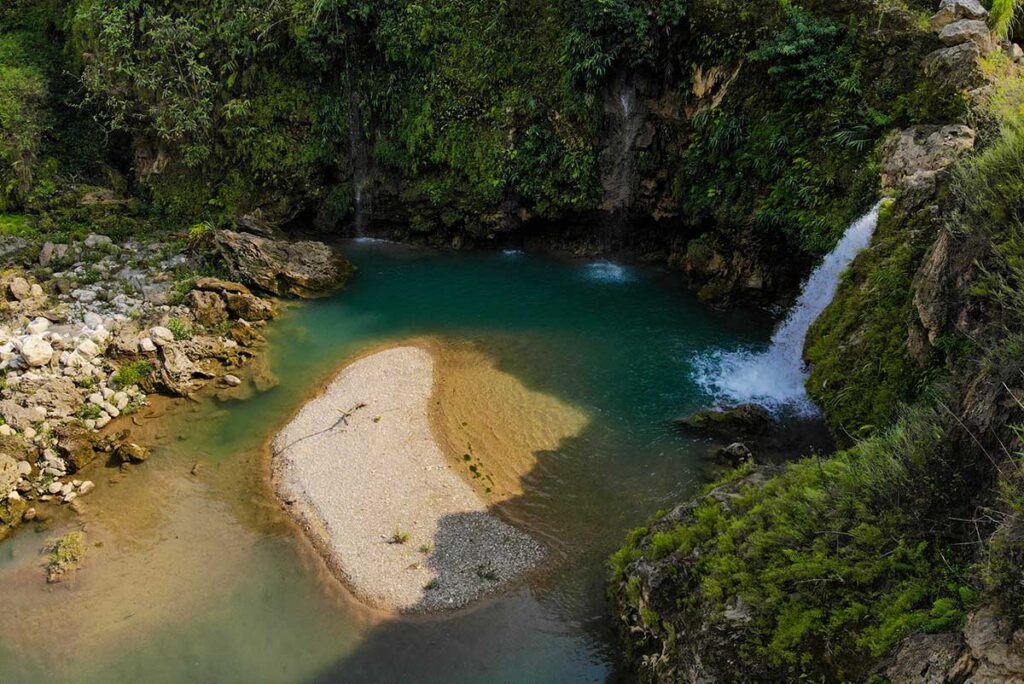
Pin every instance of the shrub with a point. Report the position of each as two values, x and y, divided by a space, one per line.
132 374
180 329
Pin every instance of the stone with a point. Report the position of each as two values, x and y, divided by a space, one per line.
913 158
735 454
10 474
75 446
209 307
24 468
161 336
146 345
36 291
1014 52
38 326
245 334
19 289
250 308
968 31
95 241
954 10
88 350
130 452
93 320
745 419
29 515
36 351
301 269
232 380
955 68
86 487
54 487
218 285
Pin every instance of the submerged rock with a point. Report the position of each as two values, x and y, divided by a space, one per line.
745 420
302 269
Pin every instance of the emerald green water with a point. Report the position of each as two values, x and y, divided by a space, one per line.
201 578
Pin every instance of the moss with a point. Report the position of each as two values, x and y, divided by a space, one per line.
65 556
834 557
132 374
862 370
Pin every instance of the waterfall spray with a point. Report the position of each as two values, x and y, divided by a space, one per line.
775 377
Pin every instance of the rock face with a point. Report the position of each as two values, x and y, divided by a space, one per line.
209 307
300 269
913 158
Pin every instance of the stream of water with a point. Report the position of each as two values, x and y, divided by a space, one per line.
200 577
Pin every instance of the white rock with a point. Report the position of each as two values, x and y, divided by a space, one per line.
146 346
70 496
86 487
87 349
30 433
38 326
6 431
107 393
102 421
161 335
36 351
93 320
120 400
36 291
39 411
54 487
67 489
24 468
96 398
94 240
232 380
111 410
14 496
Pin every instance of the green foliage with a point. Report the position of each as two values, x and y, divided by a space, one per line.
133 373
1003 15
180 329
837 558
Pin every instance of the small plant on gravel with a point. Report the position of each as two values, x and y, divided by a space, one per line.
132 374
399 537
487 572
426 549
432 585
86 381
89 411
66 554
180 329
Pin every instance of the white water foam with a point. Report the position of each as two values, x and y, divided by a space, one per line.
608 272
775 378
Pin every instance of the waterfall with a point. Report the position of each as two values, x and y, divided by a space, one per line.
775 378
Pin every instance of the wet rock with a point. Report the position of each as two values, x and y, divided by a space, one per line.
249 307
301 269
130 452
734 454
75 446
208 307
742 420
245 334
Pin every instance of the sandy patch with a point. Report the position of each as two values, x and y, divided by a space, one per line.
360 468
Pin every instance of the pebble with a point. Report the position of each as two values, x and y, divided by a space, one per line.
54 488
86 487
232 380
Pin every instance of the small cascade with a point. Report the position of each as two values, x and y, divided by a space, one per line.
775 378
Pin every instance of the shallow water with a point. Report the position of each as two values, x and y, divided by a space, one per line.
201 577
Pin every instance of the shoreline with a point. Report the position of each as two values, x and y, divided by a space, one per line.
458 550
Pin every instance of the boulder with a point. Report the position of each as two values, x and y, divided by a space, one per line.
75 446
956 68
208 307
245 334
734 454
95 241
36 351
955 10
130 452
301 269
913 158
742 420
19 289
249 307
968 31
